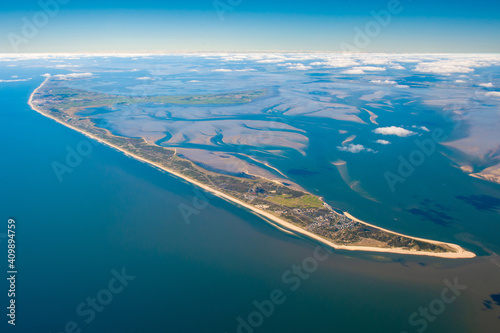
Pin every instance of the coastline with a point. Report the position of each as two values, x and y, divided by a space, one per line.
460 250
270 218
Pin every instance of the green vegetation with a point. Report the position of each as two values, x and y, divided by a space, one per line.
81 98
305 201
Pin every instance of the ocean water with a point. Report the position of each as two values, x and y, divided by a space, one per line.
201 274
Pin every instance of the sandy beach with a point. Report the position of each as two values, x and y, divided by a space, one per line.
274 220
460 251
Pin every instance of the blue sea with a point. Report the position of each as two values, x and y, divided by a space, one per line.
106 247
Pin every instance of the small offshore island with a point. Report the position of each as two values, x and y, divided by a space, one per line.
286 206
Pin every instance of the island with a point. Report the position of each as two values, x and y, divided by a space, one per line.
288 207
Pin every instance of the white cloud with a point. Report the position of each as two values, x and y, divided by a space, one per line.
423 128
353 71
66 66
442 68
234 58
363 69
222 70
486 85
371 68
16 80
302 56
258 57
299 67
384 82
398 67
144 78
393 130
376 60
449 64
493 93
295 66
72 76
383 142
459 81
336 63
270 61
352 148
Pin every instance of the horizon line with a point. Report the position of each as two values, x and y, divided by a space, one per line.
231 51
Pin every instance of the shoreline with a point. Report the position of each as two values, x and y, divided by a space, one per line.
275 221
460 250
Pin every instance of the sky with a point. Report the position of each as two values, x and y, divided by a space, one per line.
425 26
